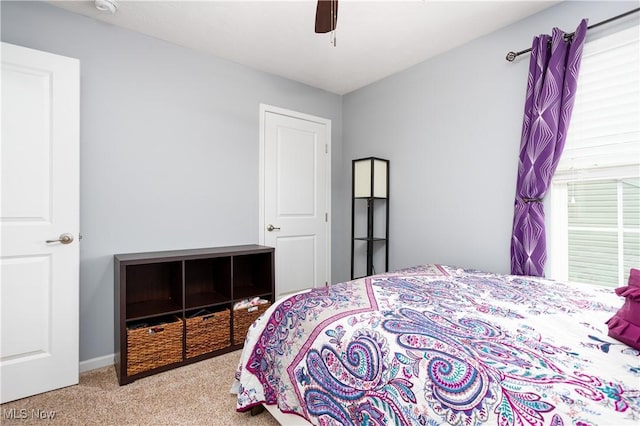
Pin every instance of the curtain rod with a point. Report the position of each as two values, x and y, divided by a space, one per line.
511 56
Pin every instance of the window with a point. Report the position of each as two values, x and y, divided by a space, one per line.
593 208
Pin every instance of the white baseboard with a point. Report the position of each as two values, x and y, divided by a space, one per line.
94 363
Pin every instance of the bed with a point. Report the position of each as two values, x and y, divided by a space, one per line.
438 345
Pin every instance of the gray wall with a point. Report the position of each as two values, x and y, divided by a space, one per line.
450 127
169 147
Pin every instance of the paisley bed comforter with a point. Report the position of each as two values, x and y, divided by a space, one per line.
436 345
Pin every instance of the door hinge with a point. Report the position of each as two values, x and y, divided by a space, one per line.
326 284
326 217
326 148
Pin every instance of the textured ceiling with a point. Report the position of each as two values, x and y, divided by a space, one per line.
374 38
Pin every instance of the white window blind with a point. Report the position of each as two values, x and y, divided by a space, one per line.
605 124
594 204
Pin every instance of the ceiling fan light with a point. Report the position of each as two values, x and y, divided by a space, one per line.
326 16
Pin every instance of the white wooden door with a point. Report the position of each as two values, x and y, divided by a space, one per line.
39 202
296 193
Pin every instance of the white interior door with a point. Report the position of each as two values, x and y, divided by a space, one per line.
296 191
39 202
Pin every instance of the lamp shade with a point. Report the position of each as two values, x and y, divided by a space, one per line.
370 177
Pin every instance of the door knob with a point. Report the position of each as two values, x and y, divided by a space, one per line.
64 239
270 228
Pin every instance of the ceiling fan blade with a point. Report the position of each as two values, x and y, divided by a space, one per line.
326 16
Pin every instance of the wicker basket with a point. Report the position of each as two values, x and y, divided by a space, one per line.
242 320
208 333
154 346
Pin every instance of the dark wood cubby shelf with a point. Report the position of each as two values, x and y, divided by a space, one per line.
157 285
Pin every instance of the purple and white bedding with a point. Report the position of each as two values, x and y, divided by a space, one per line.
437 345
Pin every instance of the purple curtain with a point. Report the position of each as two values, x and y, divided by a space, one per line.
551 88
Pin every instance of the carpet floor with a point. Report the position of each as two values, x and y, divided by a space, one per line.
196 394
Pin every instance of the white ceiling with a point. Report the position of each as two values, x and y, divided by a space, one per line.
374 38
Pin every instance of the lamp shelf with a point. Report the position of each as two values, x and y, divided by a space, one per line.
370 182
370 198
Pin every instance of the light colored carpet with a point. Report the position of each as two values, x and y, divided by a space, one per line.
196 394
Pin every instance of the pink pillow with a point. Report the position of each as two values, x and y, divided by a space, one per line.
625 324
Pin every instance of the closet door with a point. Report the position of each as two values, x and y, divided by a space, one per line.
39 222
296 197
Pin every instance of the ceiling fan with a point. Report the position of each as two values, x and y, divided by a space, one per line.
327 17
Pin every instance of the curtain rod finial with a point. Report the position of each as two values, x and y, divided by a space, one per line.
511 56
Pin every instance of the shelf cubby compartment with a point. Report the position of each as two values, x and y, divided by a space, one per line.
207 282
243 318
153 289
154 343
207 330
252 276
